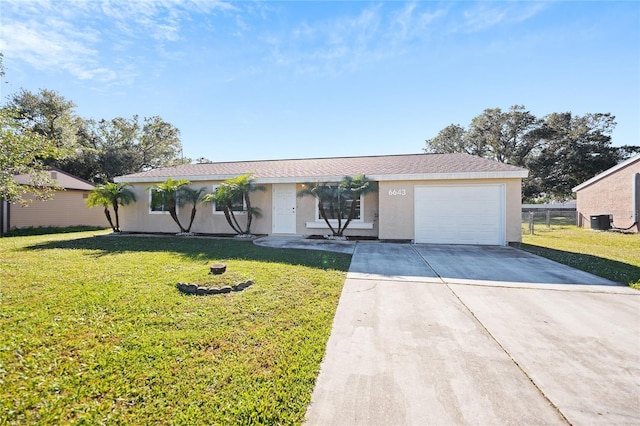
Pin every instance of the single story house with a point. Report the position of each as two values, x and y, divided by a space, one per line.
67 207
426 198
614 192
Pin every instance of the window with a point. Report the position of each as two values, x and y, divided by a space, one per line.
238 205
158 202
332 211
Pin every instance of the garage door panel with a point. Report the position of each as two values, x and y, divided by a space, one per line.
459 214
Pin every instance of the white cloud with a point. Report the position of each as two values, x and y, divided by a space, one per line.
53 45
61 35
349 42
486 15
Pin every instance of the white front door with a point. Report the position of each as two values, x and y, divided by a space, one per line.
284 208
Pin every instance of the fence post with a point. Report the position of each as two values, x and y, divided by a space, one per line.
548 218
531 223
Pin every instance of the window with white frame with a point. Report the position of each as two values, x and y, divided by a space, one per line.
332 211
158 202
238 205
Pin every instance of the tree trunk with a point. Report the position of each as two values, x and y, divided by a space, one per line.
340 230
233 216
249 215
174 215
193 216
352 213
229 221
323 214
115 212
108 215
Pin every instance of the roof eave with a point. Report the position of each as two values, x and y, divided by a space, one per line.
606 173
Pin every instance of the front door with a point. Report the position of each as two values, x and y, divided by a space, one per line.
284 208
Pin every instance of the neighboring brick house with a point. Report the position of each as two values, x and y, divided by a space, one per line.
67 207
614 192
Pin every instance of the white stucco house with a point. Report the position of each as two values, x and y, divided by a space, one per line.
425 198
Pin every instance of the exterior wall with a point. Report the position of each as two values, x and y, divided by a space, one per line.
613 195
397 220
136 217
391 217
66 208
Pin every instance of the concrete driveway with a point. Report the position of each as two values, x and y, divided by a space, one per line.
477 335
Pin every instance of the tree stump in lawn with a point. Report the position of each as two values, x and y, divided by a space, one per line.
218 268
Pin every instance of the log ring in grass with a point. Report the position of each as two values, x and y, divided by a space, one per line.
202 291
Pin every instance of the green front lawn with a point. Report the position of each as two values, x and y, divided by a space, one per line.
610 255
94 331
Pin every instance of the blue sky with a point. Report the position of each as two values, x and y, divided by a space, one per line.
257 80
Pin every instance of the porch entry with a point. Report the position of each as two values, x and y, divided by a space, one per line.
284 208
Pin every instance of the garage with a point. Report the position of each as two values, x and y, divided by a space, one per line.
460 214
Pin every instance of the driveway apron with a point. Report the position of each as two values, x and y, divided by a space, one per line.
408 347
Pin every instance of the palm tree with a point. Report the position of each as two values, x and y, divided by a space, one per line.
111 195
234 189
353 188
325 194
341 200
168 196
190 195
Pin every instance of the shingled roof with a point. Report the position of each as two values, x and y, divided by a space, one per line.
387 167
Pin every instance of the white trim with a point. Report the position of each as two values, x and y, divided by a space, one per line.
352 225
606 173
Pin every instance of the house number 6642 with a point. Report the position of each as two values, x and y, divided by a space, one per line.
397 192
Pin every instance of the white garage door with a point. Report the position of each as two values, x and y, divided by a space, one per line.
460 214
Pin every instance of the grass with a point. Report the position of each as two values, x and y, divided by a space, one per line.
94 331
611 255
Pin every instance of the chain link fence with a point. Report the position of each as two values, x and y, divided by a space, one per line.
545 220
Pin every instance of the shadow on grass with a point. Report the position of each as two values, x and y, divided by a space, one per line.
200 249
46 230
606 268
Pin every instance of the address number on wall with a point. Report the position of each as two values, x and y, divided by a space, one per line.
397 192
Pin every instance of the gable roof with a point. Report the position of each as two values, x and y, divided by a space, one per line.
379 168
65 180
612 170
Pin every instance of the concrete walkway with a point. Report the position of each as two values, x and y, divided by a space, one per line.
477 335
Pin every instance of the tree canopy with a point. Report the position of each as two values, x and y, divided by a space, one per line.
561 150
95 150
110 148
21 153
